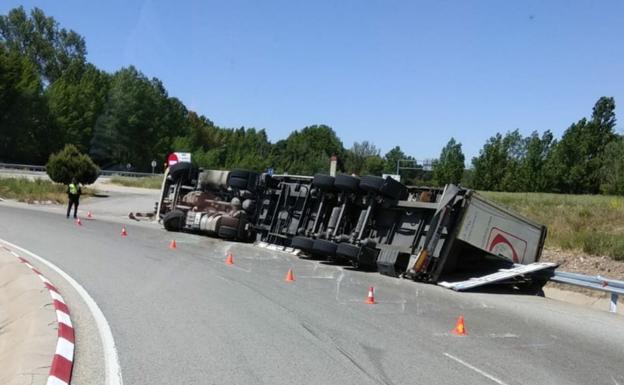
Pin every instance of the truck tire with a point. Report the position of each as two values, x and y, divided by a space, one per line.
238 183
243 179
323 182
227 232
393 189
243 174
372 184
174 220
347 183
184 171
324 247
348 250
302 243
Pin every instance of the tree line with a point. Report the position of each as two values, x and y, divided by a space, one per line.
51 96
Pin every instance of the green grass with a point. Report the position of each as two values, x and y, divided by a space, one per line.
153 182
593 224
27 190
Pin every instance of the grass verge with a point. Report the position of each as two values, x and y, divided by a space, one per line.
37 190
593 224
153 182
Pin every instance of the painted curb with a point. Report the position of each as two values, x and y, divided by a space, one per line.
63 361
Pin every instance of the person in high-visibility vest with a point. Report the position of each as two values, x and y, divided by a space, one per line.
73 193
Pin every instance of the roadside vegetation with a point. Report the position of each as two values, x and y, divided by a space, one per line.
153 182
592 224
37 190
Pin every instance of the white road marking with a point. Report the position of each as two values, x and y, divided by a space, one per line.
481 372
615 381
111 360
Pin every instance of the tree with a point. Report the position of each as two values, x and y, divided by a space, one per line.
76 100
52 49
139 121
575 162
612 172
70 163
307 151
414 175
357 158
490 166
514 146
532 173
392 157
449 168
23 130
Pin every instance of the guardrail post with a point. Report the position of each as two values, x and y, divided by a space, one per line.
613 305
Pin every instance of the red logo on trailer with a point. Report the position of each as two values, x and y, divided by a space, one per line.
507 245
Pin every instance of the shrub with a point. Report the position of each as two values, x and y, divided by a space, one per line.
70 163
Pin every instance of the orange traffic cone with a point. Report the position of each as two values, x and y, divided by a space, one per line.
229 260
371 296
460 327
78 222
124 233
89 215
172 244
290 277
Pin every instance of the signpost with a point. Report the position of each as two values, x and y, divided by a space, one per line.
153 166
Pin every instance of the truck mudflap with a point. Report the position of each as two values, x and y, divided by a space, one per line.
500 276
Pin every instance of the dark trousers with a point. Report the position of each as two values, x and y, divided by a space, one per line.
73 201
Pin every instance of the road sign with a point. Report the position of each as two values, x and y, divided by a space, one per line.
153 166
172 159
176 157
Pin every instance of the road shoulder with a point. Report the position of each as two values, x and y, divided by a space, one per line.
28 327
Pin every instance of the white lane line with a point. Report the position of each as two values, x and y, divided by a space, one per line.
111 360
481 372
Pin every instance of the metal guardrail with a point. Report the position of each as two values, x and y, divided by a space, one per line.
615 287
36 168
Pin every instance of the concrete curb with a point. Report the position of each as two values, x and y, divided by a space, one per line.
62 363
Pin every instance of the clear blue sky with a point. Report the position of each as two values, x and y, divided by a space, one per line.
408 73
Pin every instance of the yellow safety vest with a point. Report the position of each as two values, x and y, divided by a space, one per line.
73 189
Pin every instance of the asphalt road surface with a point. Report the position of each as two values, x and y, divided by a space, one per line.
185 317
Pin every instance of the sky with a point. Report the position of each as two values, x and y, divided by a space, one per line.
407 73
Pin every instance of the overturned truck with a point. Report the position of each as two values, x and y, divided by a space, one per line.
373 223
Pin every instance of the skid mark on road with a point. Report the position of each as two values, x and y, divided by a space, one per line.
475 369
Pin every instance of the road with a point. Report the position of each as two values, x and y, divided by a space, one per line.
183 316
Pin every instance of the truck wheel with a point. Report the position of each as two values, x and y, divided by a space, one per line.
302 243
347 183
227 232
324 247
393 189
372 184
324 182
243 179
184 171
238 183
174 220
348 251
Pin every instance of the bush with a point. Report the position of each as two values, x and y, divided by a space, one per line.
70 163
